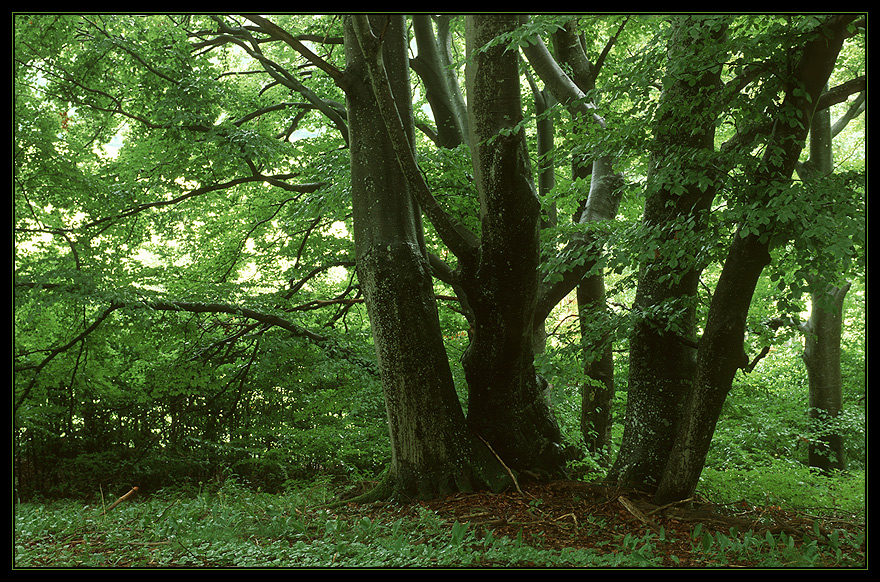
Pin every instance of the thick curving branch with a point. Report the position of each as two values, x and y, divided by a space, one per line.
244 39
461 241
276 31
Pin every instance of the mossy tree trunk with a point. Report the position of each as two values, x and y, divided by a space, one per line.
662 360
506 403
433 450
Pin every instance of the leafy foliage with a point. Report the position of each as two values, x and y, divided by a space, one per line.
164 163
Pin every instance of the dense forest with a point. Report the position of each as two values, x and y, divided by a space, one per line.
437 253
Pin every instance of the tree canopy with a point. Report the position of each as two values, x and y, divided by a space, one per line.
269 240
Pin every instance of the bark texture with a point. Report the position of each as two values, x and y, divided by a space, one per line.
433 452
505 403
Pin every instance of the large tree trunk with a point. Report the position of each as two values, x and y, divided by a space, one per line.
719 356
721 350
433 452
662 345
506 405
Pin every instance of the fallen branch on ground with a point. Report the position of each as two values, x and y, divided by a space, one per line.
120 500
637 513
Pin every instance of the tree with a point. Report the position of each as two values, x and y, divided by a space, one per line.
600 204
435 67
433 451
720 352
680 193
822 358
278 174
822 331
161 227
498 271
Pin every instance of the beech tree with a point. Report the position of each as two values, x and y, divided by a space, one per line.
498 162
822 331
600 204
432 449
499 366
720 350
680 193
497 271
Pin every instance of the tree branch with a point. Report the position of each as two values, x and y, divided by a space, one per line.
441 92
265 318
274 180
605 186
295 287
855 109
842 92
276 31
244 39
463 243
608 45
558 82
39 367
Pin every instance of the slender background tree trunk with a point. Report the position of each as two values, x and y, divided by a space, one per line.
823 329
822 359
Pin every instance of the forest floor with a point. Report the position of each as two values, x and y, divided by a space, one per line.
579 515
543 525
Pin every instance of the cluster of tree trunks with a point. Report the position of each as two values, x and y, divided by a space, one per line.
677 381
679 376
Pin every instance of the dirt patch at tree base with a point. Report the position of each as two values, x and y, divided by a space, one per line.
579 515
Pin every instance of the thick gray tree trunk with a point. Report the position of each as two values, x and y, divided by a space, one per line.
662 359
433 451
498 270
506 405
721 348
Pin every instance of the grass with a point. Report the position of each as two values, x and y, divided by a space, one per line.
232 526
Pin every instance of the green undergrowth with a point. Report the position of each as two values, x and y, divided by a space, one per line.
789 485
232 526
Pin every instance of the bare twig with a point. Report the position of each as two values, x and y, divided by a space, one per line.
637 513
506 468
667 505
